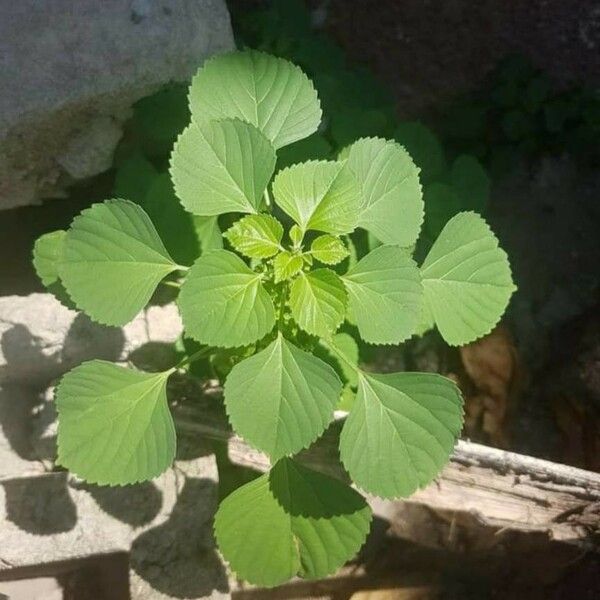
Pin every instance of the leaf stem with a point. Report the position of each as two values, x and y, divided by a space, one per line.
174 284
182 268
267 198
195 356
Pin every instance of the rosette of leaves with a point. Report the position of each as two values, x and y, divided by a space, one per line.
282 298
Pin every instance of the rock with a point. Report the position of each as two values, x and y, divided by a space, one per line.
71 70
40 339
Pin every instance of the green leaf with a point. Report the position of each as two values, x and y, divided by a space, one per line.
47 255
286 265
467 279
424 147
114 424
347 399
222 166
281 399
290 521
113 259
271 93
208 232
174 225
391 201
296 235
400 432
320 195
223 302
385 295
318 302
346 345
329 249
471 182
256 236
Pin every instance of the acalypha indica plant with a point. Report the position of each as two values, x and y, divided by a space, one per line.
280 291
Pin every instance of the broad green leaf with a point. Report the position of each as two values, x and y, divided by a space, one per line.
286 265
114 424
174 225
385 295
223 302
346 345
221 166
329 249
271 93
471 182
466 279
424 148
47 255
391 200
321 195
208 232
400 431
113 259
256 236
318 302
292 520
282 398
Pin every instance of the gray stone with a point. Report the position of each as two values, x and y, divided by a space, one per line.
70 71
40 339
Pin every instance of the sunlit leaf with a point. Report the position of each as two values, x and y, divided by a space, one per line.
282 398
318 302
385 295
291 521
269 92
467 279
223 302
114 424
329 249
222 166
113 259
256 236
400 431
286 265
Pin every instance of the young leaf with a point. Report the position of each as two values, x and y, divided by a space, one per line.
391 201
318 302
286 265
256 236
47 255
321 195
114 424
223 302
113 259
466 279
282 398
400 431
385 295
329 249
296 235
222 166
292 520
271 93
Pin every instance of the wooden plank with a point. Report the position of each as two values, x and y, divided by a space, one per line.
497 490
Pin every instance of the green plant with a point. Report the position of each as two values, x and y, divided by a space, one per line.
274 304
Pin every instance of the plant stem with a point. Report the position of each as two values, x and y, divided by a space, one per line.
174 284
195 356
267 198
